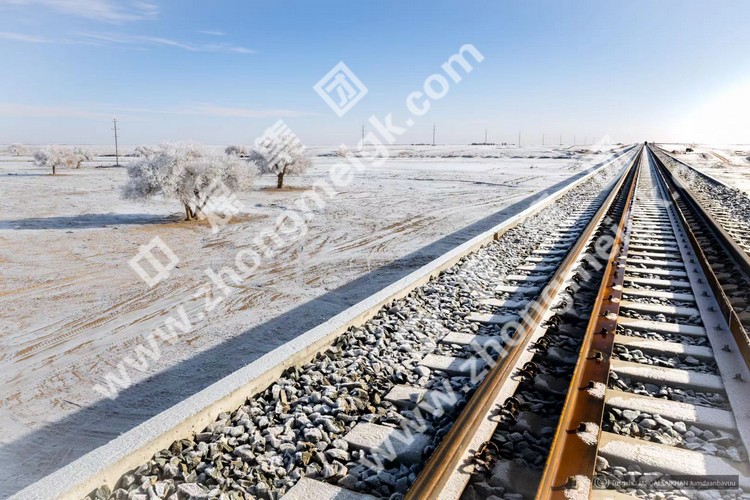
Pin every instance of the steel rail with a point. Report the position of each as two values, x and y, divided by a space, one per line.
570 457
679 192
445 460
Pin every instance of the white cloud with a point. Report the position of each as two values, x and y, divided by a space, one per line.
133 41
101 10
146 40
20 37
212 33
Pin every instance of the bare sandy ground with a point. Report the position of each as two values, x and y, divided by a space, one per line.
729 164
71 307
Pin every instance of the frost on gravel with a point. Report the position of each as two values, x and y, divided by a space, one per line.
710 399
721 200
655 428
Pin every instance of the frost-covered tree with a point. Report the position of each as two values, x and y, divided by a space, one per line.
189 174
236 151
18 149
58 156
343 152
82 155
282 155
144 151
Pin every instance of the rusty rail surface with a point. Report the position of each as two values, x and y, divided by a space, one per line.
570 457
445 460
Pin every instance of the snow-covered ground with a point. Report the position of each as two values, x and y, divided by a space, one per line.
728 163
71 307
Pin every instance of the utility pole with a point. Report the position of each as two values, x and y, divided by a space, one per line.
542 139
560 139
117 151
433 134
519 138
485 136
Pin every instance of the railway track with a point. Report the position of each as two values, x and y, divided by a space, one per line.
676 398
659 390
593 346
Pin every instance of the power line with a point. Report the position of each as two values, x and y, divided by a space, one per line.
117 151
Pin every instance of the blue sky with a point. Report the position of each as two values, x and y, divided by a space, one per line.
221 72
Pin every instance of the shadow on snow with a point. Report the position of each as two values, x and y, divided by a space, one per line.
86 221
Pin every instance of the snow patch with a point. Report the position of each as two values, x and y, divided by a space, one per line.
598 390
590 435
582 491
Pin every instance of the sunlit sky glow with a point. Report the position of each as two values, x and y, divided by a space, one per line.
221 72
